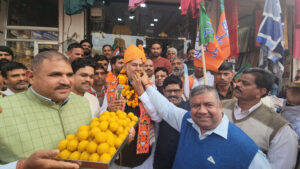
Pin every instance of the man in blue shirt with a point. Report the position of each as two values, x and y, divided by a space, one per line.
207 138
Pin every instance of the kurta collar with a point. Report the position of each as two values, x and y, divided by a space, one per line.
45 99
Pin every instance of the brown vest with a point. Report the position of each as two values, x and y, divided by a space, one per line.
261 125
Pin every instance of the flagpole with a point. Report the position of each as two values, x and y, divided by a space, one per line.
204 65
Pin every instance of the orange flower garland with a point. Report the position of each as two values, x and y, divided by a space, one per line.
132 98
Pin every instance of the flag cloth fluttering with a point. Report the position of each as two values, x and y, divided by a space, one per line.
214 56
270 34
222 33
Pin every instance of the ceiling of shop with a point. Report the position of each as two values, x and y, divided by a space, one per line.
169 18
168 15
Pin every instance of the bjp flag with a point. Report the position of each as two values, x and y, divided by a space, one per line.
205 36
223 34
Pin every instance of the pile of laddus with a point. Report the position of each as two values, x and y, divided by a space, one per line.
99 141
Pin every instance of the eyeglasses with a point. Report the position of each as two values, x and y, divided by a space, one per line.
176 91
5 54
160 76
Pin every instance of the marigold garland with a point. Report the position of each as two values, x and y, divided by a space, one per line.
132 98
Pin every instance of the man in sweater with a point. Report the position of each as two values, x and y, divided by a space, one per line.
168 137
33 122
207 138
269 130
84 71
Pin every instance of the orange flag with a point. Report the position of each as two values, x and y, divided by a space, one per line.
223 34
213 56
217 51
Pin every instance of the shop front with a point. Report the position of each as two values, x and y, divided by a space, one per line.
30 26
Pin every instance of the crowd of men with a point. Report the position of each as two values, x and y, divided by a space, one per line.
184 123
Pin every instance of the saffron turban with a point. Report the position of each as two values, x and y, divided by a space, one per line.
133 52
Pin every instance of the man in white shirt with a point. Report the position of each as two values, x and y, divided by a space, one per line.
14 75
84 71
198 76
268 129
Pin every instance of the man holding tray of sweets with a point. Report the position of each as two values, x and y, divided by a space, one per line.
207 138
33 122
136 154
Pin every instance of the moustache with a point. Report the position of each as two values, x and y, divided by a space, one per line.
202 116
174 97
86 83
238 89
21 81
86 51
222 81
62 87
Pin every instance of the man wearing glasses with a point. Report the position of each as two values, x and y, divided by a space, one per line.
168 137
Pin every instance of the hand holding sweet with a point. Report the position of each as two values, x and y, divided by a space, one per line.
42 159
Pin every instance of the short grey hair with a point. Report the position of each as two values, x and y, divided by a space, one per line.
172 49
40 57
204 89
